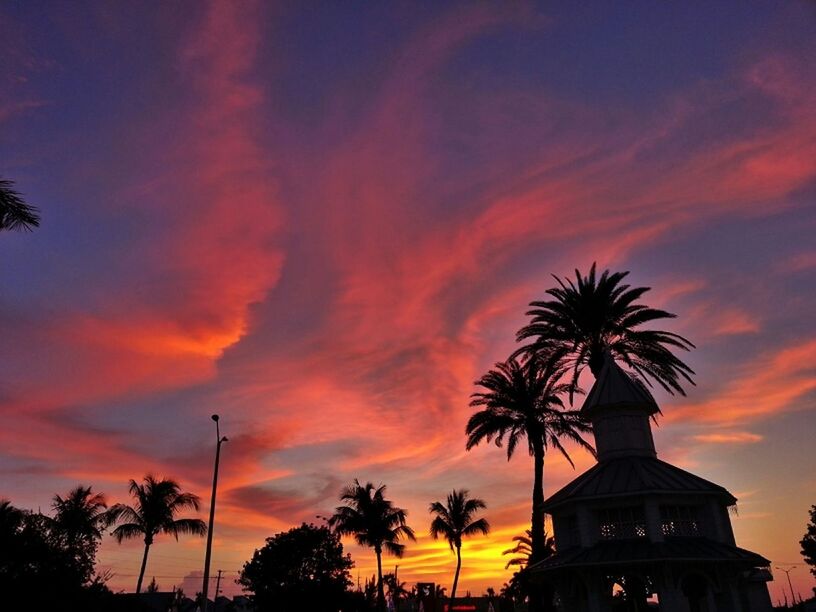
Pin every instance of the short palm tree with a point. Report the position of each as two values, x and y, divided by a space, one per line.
592 316
11 518
80 518
374 521
396 589
522 400
157 503
524 548
456 519
15 214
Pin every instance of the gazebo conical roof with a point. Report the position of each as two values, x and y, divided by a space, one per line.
614 388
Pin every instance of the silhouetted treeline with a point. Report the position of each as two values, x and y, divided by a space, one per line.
48 562
44 566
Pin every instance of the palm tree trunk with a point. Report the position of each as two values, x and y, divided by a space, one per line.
537 519
142 571
380 589
456 575
597 356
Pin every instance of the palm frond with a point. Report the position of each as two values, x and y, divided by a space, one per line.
128 531
15 213
186 526
592 315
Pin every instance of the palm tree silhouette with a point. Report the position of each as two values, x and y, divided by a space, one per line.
80 518
10 518
15 214
455 520
373 521
592 316
524 548
396 589
157 503
522 401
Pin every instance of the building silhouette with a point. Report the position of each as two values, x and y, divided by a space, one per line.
634 530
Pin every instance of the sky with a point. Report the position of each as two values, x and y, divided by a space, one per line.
325 221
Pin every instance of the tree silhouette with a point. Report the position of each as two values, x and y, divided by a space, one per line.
524 548
396 589
455 520
522 401
37 569
808 542
15 214
157 503
80 519
592 316
300 569
373 521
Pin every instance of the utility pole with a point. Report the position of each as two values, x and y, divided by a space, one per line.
790 586
205 587
218 584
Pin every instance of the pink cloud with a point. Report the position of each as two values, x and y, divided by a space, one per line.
422 292
773 382
729 437
195 278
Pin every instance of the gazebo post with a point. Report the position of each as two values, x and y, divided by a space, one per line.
595 599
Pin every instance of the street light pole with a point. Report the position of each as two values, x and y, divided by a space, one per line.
790 586
204 588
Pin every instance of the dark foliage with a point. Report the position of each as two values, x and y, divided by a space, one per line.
456 519
157 503
515 589
593 316
522 401
397 590
374 521
79 522
15 214
524 549
300 569
38 571
809 542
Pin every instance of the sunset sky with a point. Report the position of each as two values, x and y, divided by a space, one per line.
324 221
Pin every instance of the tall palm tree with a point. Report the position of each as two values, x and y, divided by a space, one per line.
524 548
15 214
157 503
80 519
522 400
592 316
455 520
374 521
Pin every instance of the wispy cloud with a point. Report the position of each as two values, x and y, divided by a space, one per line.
729 437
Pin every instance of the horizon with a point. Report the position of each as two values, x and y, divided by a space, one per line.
325 223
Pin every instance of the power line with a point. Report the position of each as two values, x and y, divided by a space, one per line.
224 572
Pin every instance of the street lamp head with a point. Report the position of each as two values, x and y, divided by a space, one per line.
214 417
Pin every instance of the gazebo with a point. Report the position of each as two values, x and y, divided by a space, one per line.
634 532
